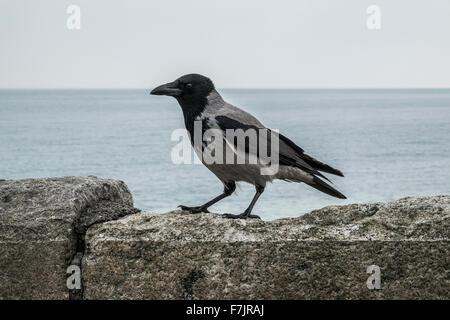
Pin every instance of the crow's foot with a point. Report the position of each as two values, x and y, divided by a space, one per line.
240 216
199 209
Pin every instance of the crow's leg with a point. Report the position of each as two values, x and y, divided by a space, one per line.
228 189
247 213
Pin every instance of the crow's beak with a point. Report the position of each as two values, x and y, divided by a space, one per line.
168 89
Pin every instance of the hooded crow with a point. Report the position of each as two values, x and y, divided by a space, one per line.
218 123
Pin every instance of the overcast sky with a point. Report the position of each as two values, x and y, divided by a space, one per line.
237 43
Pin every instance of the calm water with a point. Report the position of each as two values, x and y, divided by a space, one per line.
388 143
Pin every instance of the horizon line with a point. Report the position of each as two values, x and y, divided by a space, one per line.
241 88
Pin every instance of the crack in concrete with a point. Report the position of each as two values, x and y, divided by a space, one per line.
188 283
102 211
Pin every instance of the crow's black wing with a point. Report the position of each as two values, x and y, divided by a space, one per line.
289 153
316 164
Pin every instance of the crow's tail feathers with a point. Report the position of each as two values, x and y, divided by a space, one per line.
316 164
326 188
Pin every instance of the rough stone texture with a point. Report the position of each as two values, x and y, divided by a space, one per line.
42 222
321 255
47 224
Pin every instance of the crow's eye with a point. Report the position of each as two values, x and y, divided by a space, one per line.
188 85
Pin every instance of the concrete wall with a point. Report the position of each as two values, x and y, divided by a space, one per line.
48 224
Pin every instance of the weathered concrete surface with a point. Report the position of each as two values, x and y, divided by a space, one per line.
42 226
47 224
322 255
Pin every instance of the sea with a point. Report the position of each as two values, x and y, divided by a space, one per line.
389 143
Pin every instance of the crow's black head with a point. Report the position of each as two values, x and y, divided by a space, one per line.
189 87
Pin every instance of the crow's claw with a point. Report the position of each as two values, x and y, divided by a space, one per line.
240 216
